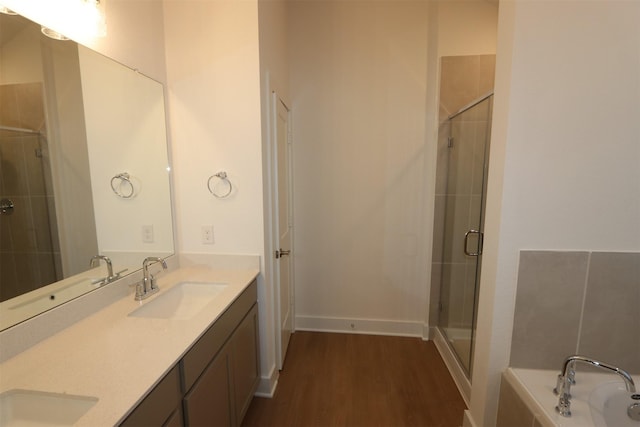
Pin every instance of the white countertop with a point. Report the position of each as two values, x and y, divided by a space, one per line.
117 358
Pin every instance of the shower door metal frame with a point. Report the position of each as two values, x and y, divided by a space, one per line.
472 231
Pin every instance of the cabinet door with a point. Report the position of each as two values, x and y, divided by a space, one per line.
209 403
160 403
246 363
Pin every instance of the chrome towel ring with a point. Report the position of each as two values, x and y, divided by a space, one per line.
218 192
122 186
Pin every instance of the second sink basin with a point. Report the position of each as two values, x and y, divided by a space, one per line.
36 408
183 301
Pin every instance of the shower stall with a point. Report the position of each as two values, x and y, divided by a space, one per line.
29 248
460 205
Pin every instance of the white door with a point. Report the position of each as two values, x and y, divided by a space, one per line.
283 252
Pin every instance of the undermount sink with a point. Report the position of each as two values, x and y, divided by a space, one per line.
36 408
183 301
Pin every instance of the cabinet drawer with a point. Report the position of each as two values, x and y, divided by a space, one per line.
159 404
203 351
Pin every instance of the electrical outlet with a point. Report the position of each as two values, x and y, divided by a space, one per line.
147 233
207 234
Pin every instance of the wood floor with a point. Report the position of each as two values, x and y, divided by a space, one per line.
360 380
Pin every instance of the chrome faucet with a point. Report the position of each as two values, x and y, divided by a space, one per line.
566 378
110 277
147 286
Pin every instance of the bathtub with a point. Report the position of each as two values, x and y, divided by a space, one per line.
598 399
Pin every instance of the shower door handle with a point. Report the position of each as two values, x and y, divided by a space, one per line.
480 242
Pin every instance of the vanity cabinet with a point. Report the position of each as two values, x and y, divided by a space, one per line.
208 403
221 371
162 406
215 379
245 363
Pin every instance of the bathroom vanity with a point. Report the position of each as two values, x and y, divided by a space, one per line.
214 382
185 356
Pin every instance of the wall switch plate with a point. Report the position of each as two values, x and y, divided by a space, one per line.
147 233
207 234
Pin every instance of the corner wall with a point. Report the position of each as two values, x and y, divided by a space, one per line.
213 81
564 155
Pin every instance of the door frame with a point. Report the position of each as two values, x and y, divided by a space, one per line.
271 263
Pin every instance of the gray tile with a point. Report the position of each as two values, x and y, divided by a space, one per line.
438 228
548 306
452 295
469 293
479 160
434 295
41 224
443 158
611 320
487 73
458 81
456 225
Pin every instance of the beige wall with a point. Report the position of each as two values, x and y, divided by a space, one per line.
467 27
213 80
358 81
564 154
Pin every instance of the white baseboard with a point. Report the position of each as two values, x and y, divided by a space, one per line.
426 332
267 385
360 326
456 371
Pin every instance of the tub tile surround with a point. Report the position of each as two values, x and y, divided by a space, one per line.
98 355
571 302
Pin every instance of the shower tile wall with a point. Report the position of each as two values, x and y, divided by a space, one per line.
463 79
577 302
28 243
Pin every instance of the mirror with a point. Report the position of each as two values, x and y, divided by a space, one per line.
84 170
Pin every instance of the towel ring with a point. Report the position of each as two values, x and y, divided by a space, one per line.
223 177
120 187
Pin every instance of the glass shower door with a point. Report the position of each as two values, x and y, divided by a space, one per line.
468 155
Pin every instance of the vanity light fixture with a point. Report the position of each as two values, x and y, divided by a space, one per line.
93 13
80 20
6 10
52 33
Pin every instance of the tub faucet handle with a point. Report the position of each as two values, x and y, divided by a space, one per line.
566 377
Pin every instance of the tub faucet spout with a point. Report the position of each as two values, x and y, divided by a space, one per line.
565 379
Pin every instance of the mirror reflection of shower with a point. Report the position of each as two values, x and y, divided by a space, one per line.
29 248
